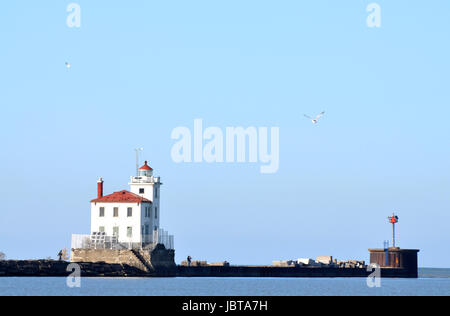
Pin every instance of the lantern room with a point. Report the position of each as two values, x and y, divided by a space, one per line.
145 171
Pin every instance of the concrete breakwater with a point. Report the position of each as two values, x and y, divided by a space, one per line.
288 272
50 268
157 261
46 268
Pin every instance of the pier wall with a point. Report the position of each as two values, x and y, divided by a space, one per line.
286 272
156 260
106 256
396 258
48 268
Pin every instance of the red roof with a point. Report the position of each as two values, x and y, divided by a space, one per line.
122 197
145 167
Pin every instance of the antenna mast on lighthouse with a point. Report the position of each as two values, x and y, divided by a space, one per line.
137 160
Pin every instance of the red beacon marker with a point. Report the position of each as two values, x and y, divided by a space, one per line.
393 219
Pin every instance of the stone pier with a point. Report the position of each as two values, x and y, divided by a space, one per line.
154 260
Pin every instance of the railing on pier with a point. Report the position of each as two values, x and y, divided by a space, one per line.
99 240
164 238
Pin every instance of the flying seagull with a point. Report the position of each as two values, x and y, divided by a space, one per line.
68 65
315 120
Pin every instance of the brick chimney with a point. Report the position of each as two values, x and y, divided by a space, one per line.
100 188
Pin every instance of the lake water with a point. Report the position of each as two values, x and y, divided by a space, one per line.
431 282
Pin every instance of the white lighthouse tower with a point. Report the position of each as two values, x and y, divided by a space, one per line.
148 186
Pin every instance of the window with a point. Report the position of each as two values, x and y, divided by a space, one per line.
130 212
116 231
101 229
156 212
129 232
147 229
116 212
102 212
141 191
148 212
156 193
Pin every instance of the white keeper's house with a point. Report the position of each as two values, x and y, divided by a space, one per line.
127 219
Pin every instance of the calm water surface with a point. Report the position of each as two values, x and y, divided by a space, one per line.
431 282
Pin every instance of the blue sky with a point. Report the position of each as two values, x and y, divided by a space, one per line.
142 68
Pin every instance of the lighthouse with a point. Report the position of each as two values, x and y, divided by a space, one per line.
148 187
129 217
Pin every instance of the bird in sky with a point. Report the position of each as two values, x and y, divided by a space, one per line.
316 119
68 65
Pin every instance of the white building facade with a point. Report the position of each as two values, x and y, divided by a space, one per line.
131 217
